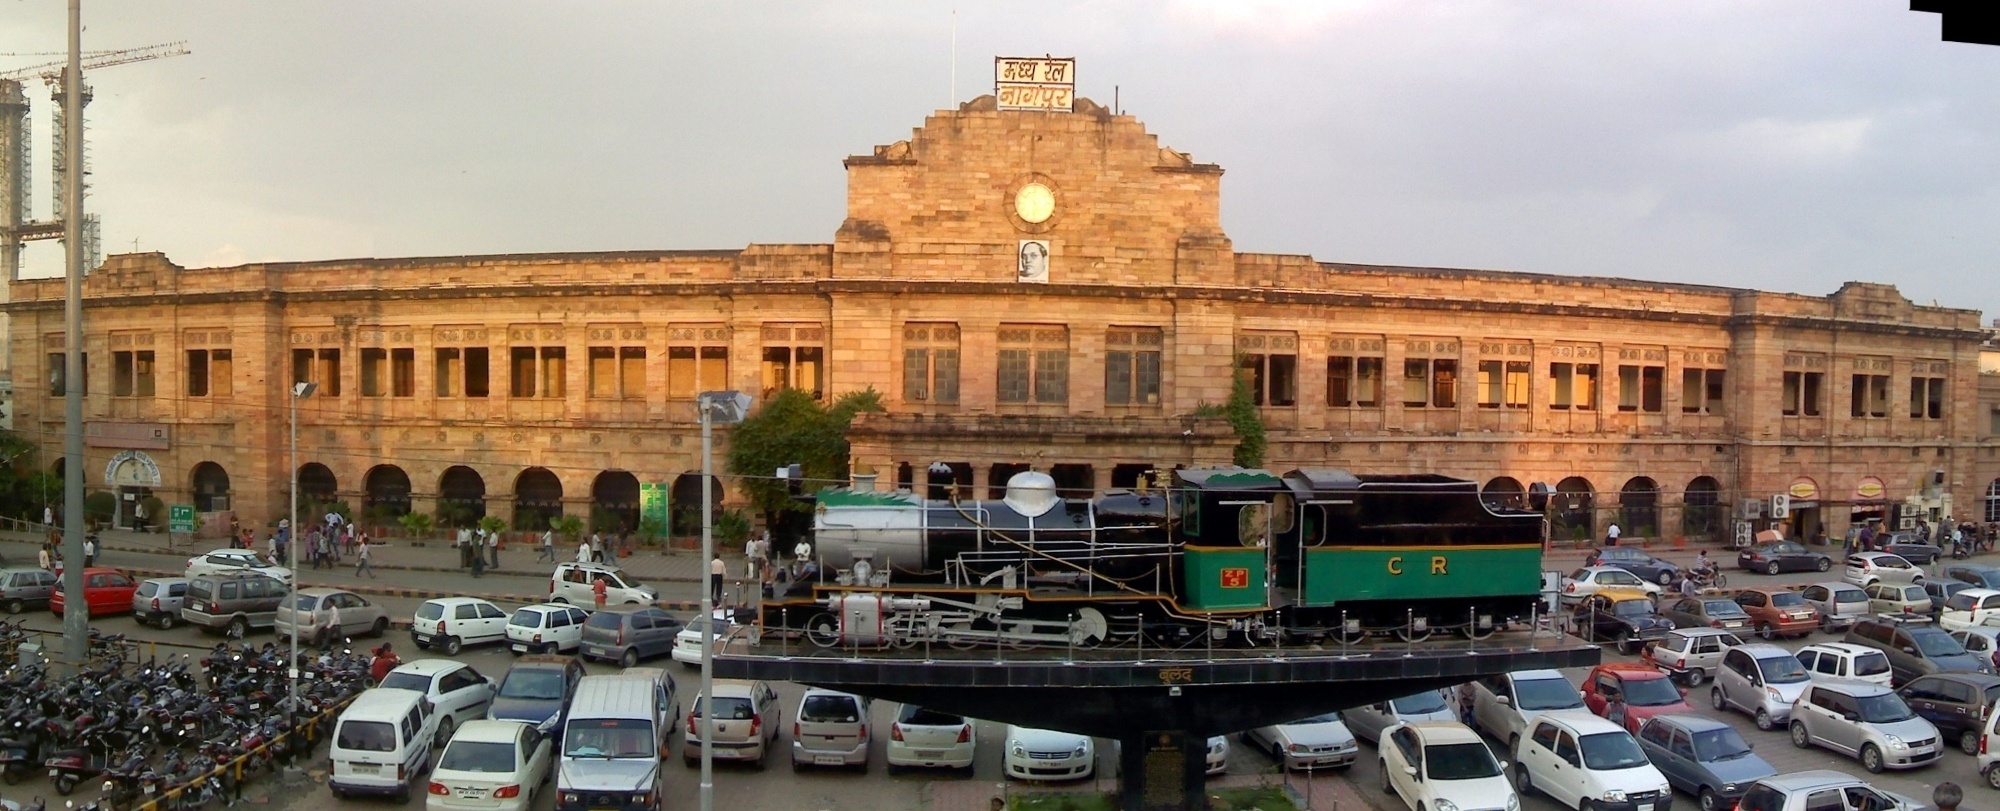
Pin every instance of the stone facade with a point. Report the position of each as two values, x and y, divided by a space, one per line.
1635 399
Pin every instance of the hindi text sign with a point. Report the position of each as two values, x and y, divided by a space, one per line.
1034 83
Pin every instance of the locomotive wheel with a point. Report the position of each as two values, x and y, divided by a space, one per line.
823 630
1089 629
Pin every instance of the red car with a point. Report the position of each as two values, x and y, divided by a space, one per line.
1647 692
106 591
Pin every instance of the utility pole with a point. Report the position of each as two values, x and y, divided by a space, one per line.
76 608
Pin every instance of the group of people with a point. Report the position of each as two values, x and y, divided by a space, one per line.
476 547
50 558
1955 538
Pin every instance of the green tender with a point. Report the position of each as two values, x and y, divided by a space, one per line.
1223 579
1338 575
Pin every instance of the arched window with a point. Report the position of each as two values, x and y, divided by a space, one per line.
1639 508
614 502
1573 510
461 497
537 499
388 493
211 488
1993 501
1703 514
1504 492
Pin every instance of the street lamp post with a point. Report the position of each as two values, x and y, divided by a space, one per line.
300 391
728 407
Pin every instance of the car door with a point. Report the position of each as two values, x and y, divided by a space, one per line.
1399 755
1487 709
466 693
1737 680
1844 730
1572 780
1537 754
1681 767
490 624
1956 707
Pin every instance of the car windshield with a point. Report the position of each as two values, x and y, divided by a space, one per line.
1787 599
1607 751
698 625
526 618
1723 608
535 684
430 611
1651 693
1329 718
1618 577
1547 694
1872 663
1719 744
1424 703
915 716
829 709
305 602
609 738
1915 594
1938 644
1782 670
1849 596
1632 608
1460 761
727 708
1891 563
1887 708
366 736
478 756
407 681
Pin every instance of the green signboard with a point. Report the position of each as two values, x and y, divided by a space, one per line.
180 518
653 502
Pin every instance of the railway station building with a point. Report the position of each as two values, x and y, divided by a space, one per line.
1027 290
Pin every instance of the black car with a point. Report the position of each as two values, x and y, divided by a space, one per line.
1909 546
537 690
1955 703
1637 561
1772 557
1940 591
1631 621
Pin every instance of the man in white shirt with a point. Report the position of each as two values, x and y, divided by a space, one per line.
1611 535
548 546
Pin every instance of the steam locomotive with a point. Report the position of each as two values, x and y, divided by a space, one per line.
1248 556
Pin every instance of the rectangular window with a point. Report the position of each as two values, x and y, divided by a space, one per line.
554 377
1033 365
447 368
617 372
1712 391
1340 382
632 372
1562 386
1934 402
1492 382
603 372
1641 388
320 366
1927 398
1517 384
930 363
1809 400
1870 397
477 371
1701 391
794 358
1132 366
1353 382
1274 379
208 372
197 373
403 372
1586 387
1430 382
374 372
121 374
59 372
521 374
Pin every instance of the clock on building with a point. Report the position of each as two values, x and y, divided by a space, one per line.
1034 203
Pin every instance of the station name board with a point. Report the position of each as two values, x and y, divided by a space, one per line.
1034 83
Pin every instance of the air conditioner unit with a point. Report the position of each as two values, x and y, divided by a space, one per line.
1750 508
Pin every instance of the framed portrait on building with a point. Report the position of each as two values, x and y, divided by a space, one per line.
1032 263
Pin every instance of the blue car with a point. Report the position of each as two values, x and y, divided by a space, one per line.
1703 757
537 690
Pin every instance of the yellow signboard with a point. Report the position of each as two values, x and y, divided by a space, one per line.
1034 83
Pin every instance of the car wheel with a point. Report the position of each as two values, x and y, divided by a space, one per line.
1800 737
15 606
238 627
1767 631
1771 568
1825 564
1709 802
551 648
1666 577
1695 676
1871 759
1993 777
1716 700
796 768
1765 722
1968 742
1523 785
1583 805
1383 767
630 659
381 626
165 622
446 725
452 645
1626 644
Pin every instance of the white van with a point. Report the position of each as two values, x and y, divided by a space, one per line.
382 743
612 744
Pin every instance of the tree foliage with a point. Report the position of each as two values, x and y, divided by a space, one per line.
418 525
1242 413
792 428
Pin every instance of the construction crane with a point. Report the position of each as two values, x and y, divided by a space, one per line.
51 72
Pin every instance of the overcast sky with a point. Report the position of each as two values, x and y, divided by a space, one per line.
1782 145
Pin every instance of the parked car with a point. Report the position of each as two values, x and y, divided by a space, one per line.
1644 692
1045 754
1637 561
1761 681
1624 616
687 643
381 743
1318 742
1691 654
1905 599
1868 722
1978 574
22 589
1982 641
1915 650
1216 760
1703 757
458 692
537 690
1909 546
1989 750
105 591
492 766
1772 557
1940 592
158 600
1443 764
1864 568
1821 789
1369 720
1708 611
230 561
1956 703
1971 606
1844 661
1839 604
327 614
1504 705
1582 761
628 635
745 726
830 728
233 602
923 737
547 628
572 582
451 623
1776 611
1591 579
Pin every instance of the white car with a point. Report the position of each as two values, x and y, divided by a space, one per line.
932 739
1045 754
547 628
573 583
451 623
1319 742
1506 705
458 692
687 643
228 561
491 766
1593 579
1826 661
1443 764
1970 608
1218 755
1583 761
1839 604
1870 567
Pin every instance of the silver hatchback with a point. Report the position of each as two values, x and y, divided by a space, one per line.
159 600
1761 681
1865 721
23 589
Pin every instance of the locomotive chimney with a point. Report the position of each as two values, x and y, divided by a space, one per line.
864 482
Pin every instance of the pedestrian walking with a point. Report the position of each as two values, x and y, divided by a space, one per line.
48 515
583 552
597 547
478 563
548 546
1611 534
597 589
1465 703
716 571
362 565
493 548
464 547
42 558
89 551
752 552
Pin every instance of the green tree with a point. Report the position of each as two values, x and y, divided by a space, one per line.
418 525
1242 413
570 527
792 428
493 524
